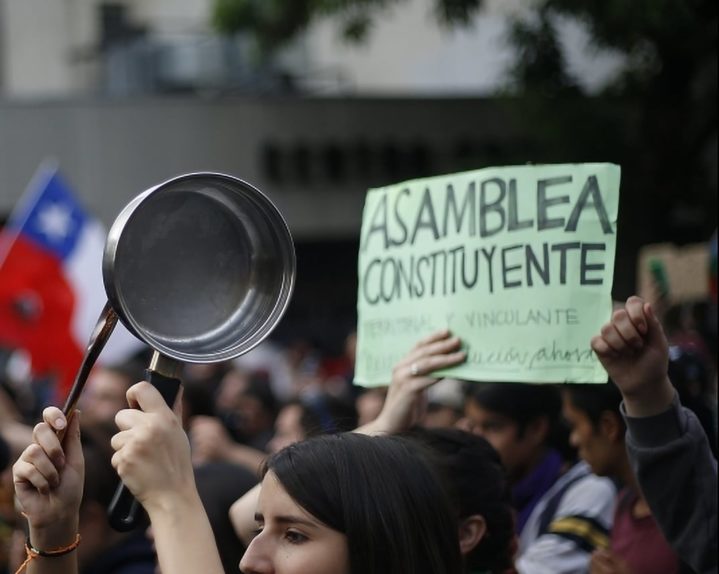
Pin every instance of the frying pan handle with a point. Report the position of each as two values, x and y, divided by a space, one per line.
124 512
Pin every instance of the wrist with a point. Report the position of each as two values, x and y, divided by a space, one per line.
60 534
385 423
173 504
650 400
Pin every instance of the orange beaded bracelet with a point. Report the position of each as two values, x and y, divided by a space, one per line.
33 552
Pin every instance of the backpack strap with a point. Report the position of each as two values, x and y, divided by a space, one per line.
585 531
547 516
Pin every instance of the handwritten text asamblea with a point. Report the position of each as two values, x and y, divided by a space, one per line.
471 234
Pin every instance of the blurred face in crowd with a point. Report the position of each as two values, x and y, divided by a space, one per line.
254 418
519 451
290 540
440 416
601 446
104 396
288 428
233 384
234 396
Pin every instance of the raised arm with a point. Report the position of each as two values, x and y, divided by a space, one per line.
48 480
402 408
242 514
211 441
411 376
153 459
667 446
634 351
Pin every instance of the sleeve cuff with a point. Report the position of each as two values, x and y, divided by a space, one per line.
655 430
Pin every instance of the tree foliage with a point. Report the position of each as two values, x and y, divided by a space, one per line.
669 79
670 45
275 22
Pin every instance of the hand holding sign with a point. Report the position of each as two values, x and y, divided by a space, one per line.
516 261
410 378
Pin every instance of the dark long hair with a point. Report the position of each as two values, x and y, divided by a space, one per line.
382 493
477 484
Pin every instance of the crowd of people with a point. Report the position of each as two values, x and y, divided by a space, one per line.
277 463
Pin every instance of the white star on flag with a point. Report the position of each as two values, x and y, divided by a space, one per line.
55 221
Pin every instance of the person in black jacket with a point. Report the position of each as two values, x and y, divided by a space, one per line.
667 445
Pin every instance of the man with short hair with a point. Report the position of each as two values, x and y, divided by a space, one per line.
564 511
637 546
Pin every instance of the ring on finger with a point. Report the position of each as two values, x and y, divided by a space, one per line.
414 369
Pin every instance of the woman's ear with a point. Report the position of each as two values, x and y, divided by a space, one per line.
471 531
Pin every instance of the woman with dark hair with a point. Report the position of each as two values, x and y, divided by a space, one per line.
473 474
345 504
376 498
479 490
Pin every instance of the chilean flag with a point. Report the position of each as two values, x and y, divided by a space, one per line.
51 290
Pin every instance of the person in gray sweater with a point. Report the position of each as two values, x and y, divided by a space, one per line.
667 445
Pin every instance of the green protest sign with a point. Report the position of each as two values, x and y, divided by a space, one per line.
516 261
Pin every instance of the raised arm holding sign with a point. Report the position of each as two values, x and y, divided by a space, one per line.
516 261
